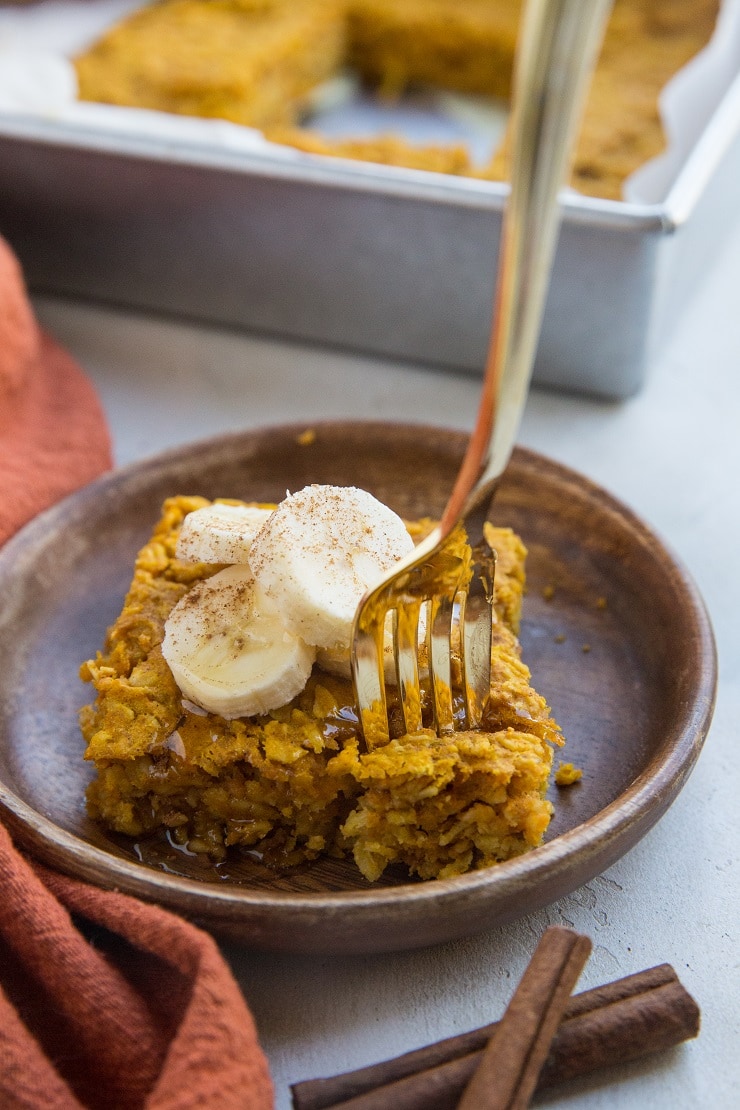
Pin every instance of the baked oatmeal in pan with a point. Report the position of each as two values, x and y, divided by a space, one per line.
256 62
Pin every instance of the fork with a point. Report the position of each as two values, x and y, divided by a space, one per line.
448 579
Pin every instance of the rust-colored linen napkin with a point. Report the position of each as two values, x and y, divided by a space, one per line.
106 1003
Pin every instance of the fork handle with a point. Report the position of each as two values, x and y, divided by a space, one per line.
558 45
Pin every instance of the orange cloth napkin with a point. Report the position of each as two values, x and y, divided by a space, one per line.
106 1003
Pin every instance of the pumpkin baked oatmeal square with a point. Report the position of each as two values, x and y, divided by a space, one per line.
295 783
249 61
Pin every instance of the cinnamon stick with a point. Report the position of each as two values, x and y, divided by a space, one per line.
512 1060
625 1020
622 1031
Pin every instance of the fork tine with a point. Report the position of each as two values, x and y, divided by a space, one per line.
476 635
475 656
439 632
369 681
406 649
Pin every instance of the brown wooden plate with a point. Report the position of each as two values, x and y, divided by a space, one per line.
614 631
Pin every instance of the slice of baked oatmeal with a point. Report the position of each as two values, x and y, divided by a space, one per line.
295 783
249 61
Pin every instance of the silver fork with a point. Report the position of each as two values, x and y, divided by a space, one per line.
557 48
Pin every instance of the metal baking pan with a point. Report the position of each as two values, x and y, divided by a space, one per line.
389 261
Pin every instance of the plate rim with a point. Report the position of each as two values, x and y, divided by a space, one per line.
596 839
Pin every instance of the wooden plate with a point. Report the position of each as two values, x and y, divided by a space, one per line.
623 650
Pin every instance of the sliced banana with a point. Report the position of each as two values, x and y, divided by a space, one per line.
220 533
229 650
319 552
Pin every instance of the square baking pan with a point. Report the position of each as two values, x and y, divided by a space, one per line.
394 262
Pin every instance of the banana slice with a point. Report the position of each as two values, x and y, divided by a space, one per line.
229 650
319 552
220 533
